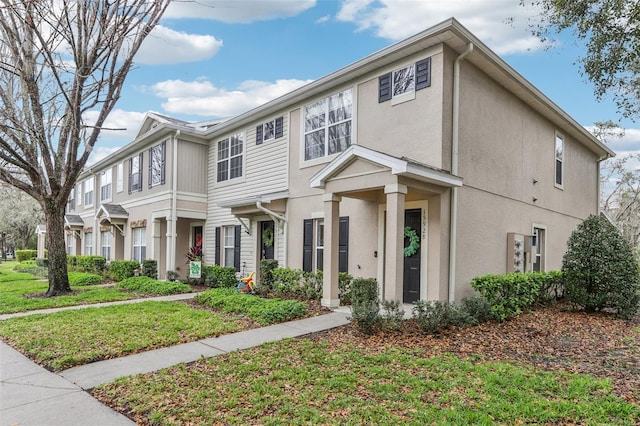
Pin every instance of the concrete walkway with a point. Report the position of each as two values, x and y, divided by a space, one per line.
32 395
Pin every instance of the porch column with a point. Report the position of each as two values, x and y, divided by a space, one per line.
155 242
171 244
330 298
394 242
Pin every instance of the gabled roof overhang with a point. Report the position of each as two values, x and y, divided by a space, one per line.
73 222
112 213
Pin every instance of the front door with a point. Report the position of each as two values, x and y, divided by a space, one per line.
267 233
411 283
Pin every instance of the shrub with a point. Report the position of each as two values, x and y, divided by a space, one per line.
266 268
219 276
508 294
84 278
599 269
150 268
22 255
263 311
96 264
477 310
172 276
121 269
392 317
147 285
550 286
365 306
72 260
311 287
434 316
344 288
42 262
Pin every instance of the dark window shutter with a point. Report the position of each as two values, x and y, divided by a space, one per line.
217 250
236 247
150 165
343 245
140 173
384 87
164 161
307 245
130 168
423 73
279 127
259 134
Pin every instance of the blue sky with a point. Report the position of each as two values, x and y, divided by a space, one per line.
211 59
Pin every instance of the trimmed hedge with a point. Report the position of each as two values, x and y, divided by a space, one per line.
365 305
150 268
217 276
122 269
91 263
146 285
84 278
22 255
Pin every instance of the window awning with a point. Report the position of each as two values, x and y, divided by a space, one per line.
112 213
73 222
250 206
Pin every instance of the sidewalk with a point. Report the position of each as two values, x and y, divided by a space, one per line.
31 395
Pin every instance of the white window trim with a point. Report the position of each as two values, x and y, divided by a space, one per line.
143 243
120 177
91 190
240 178
264 128
163 163
317 223
110 185
88 244
560 136
408 95
103 245
225 229
544 248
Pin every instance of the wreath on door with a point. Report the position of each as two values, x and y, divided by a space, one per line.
267 237
414 242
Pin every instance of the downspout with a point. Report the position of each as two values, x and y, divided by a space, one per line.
171 262
454 171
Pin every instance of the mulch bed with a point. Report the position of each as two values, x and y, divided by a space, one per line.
549 338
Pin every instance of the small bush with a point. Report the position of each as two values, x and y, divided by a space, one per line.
84 278
434 316
72 260
150 268
392 317
344 288
172 276
508 294
22 255
95 264
122 269
266 268
147 285
599 269
550 286
263 311
477 309
365 307
217 276
29 266
42 262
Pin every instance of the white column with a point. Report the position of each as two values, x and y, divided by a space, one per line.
171 244
394 242
330 297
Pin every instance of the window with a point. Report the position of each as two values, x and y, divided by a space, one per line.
139 244
327 125
106 238
404 81
539 256
313 241
230 158
120 177
270 130
229 245
157 160
69 243
88 244
71 204
135 173
105 186
227 249
88 192
559 159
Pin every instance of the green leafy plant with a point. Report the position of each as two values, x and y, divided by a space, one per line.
508 294
392 317
172 276
84 278
266 268
150 268
147 285
22 255
96 264
42 262
599 269
121 269
365 305
477 310
344 288
217 276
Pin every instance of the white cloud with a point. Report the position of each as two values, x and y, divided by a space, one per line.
501 24
100 153
166 46
238 11
201 97
127 124
323 19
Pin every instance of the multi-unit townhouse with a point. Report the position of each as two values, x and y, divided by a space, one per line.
423 165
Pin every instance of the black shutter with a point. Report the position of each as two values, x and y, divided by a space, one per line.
140 173
423 73
384 87
307 245
259 134
343 245
150 166
279 127
217 250
236 247
164 161
130 164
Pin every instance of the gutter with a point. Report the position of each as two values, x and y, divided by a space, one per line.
453 222
171 261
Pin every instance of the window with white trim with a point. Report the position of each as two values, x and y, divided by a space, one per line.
120 177
157 160
106 238
105 185
230 153
229 245
135 173
402 83
539 256
88 244
559 163
139 244
319 243
88 192
327 125
270 130
71 204
69 243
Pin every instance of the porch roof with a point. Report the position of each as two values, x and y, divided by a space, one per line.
400 166
73 221
249 204
112 212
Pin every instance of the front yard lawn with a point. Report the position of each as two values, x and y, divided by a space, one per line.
64 339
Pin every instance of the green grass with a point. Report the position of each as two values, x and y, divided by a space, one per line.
146 285
306 382
84 278
64 339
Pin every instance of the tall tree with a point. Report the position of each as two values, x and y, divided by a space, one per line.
19 214
58 60
611 32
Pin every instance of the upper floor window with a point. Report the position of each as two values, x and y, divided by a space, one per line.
157 160
120 177
327 125
230 153
88 192
105 185
135 173
71 204
559 160
404 81
270 130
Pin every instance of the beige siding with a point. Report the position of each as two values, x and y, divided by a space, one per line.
192 167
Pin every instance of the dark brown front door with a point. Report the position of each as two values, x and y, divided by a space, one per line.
411 284
267 240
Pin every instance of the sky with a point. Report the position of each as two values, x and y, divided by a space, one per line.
211 59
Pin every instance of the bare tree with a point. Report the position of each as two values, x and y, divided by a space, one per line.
60 59
19 214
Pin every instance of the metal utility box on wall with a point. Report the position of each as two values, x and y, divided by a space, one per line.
521 251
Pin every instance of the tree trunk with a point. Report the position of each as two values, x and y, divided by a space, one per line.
58 278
